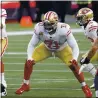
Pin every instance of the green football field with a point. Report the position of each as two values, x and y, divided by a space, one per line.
50 79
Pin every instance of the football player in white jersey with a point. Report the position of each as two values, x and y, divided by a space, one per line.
3 46
85 19
57 39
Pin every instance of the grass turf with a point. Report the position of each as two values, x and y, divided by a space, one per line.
51 78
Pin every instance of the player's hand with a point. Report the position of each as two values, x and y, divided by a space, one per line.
84 61
82 68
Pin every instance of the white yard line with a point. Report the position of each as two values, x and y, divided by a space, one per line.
14 33
37 63
53 79
23 53
15 53
40 70
50 89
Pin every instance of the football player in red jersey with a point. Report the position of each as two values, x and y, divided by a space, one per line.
57 39
3 46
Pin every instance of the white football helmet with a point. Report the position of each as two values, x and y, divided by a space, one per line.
84 15
50 21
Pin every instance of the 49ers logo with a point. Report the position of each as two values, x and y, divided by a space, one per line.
85 11
51 44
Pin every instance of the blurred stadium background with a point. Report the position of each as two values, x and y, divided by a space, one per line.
51 78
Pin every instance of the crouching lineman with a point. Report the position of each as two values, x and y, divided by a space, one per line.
56 39
85 19
3 46
90 27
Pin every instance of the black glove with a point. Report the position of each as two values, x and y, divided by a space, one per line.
84 61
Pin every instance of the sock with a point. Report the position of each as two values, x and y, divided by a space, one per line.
91 69
2 79
96 92
26 81
2 76
75 70
83 83
2 67
28 69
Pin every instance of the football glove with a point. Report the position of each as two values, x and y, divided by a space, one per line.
84 61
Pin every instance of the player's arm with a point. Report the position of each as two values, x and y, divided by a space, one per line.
93 49
93 33
85 61
33 42
3 18
91 52
74 46
2 22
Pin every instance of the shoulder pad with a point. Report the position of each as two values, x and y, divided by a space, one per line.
64 25
65 28
38 28
92 26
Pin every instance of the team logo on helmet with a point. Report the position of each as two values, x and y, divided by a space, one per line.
84 15
50 21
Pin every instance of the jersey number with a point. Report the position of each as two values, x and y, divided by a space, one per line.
52 44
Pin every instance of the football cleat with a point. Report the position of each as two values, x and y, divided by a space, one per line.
3 90
23 88
87 91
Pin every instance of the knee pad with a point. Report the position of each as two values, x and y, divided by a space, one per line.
96 82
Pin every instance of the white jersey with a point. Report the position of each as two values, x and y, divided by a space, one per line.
54 42
3 16
91 31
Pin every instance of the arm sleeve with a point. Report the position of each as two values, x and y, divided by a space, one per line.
3 17
74 46
3 21
33 42
92 31
93 34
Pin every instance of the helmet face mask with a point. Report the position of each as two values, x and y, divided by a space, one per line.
50 22
80 21
50 27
